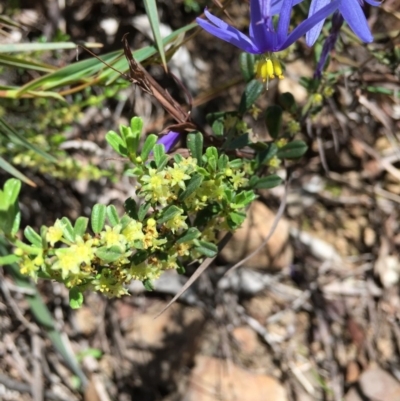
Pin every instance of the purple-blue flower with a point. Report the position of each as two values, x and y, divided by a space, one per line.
263 37
169 140
351 11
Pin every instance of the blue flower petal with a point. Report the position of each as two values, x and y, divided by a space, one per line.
277 5
307 24
223 31
169 140
258 25
374 3
354 16
284 20
313 33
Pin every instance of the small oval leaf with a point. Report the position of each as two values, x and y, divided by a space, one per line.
98 218
253 90
292 150
112 215
33 237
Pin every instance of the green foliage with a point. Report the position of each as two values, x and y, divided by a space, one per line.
253 90
9 210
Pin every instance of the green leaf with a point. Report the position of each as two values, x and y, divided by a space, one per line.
112 215
8 259
148 285
98 218
11 190
218 127
169 213
14 172
75 298
151 11
273 120
159 155
247 62
80 226
130 207
17 220
236 163
212 157
267 154
253 90
268 182
33 237
139 257
109 255
243 199
235 219
195 145
148 146
143 209
206 248
68 230
223 162
136 126
292 150
288 102
191 234
239 142
117 143
193 184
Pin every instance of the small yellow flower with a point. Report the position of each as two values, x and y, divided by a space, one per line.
230 121
156 187
29 267
68 262
177 176
133 231
177 223
238 180
55 233
112 237
144 271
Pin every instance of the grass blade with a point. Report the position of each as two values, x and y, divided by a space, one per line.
152 13
86 70
34 47
15 62
15 137
14 172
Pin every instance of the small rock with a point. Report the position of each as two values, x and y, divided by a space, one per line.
246 338
378 385
86 320
369 236
214 379
388 269
277 253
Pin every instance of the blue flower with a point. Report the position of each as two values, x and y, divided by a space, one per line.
169 140
263 37
352 13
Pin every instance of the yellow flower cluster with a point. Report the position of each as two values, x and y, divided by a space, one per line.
141 248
